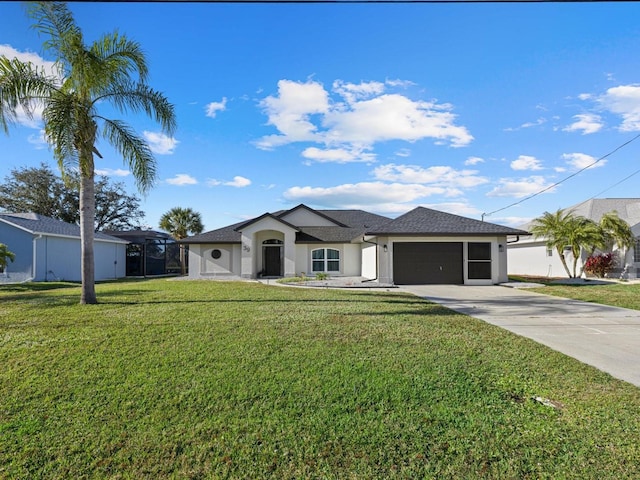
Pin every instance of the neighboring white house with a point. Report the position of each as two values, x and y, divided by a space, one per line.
421 246
530 256
47 249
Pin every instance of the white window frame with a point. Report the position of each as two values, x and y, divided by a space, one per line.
325 260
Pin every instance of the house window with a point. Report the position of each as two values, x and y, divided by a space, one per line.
549 252
479 260
325 260
636 251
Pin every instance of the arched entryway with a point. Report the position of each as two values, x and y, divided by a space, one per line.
272 257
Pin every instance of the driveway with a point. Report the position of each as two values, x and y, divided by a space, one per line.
607 338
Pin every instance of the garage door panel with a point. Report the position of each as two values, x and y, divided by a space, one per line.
427 263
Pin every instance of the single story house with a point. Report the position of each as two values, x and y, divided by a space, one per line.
47 249
530 256
421 246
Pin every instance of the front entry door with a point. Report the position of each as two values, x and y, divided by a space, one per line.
272 261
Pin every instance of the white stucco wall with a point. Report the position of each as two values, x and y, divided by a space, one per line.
203 265
252 237
304 218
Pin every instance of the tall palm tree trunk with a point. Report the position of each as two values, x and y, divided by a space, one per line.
87 215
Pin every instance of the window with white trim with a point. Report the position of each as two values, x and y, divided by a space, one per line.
325 260
636 251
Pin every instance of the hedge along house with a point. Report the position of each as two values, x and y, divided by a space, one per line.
49 250
421 246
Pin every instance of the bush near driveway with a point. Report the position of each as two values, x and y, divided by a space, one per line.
169 379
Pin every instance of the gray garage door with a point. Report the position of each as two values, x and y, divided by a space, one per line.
432 263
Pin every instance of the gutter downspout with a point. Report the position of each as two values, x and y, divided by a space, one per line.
376 277
514 241
34 270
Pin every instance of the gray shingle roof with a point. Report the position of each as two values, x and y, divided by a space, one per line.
424 221
420 221
356 223
40 224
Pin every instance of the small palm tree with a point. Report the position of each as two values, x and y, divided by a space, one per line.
180 222
554 228
90 76
5 255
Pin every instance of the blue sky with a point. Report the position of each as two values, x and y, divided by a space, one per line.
465 108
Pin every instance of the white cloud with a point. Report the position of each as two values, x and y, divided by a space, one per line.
337 155
213 108
352 92
519 188
182 179
457 208
473 161
304 112
289 112
160 143
526 162
582 160
403 152
439 176
361 195
109 172
38 140
624 100
586 123
238 182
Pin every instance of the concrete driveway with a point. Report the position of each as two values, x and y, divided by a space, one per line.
607 338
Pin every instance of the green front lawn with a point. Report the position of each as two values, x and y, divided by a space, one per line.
625 295
182 379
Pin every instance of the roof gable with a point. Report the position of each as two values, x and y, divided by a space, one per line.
303 216
425 221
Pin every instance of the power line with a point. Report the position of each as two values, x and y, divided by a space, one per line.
567 178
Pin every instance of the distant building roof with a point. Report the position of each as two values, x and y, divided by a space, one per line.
139 236
40 224
628 209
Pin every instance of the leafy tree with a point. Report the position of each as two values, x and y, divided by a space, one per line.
90 76
5 255
40 190
180 222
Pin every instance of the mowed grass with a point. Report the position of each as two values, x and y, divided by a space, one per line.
626 295
185 379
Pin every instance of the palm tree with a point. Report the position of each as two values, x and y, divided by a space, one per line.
554 228
180 222
5 255
103 73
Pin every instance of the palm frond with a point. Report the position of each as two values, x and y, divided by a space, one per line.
119 58
135 151
22 85
55 20
138 97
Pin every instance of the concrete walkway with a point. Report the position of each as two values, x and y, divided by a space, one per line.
607 338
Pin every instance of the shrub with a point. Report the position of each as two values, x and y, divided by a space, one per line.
321 276
600 265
